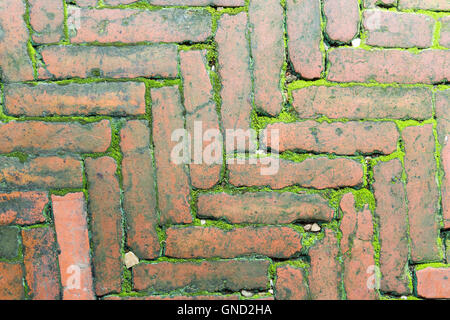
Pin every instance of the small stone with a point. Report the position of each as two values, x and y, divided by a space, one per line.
315 228
270 291
404 297
246 293
202 222
307 227
356 42
130 260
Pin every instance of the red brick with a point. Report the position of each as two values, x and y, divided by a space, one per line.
422 193
234 68
391 211
388 66
218 3
38 136
208 242
305 37
106 224
62 62
139 194
339 138
41 263
199 103
267 47
15 63
47 20
264 207
173 181
100 98
437 5
175 297
23 208
358 102
398 29
342 19
444 39
318 173
357 248
291 284
133 25
433 283
41 173
212 276
11 285
324 275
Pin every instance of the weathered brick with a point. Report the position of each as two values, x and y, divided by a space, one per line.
39 136
234 69
218 3
391 211
318 173
433 283
208 242
175 297
9 239
305 37
357 248
139 201
398 29
388 66
22 208
70 220
342 19
264 207
15 63
134 26
422 192
267 47
41 263
324 275
106 223
339 138
41 173
173 182
444 39
358 102
291 284
100 98
47 20
62 62
209 276
437 5
11 283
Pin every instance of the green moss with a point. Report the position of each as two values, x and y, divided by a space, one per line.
431 265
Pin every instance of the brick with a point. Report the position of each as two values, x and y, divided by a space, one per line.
266 38
398 29
444 39
388 66
152 61
134 26
433 283
437 5
391 211
291 284
15 63
41 173
208 242
202 114
212 276
39 136
358 102
318 173
422 193
234 69
47 20
264 207
356 246
172 178
342 19
339 138
41 263
218 3
70 220
106 224
139 194
324 274
86 3
9 238
175 297
305 37
75 99
22 208
11 283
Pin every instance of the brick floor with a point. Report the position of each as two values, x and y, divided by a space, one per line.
338 186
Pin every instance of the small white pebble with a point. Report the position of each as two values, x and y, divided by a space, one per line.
307 227
213 68
404 297
271 283
130 260
202 222
315 227
356 42
270 291
246 293
325 46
